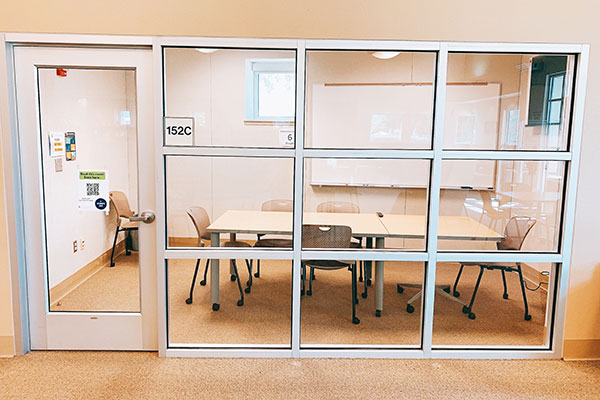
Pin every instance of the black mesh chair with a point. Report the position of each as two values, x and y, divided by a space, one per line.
515 232
333 237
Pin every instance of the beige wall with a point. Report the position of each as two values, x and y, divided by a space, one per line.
469 20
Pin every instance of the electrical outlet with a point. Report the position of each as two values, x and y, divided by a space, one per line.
74 246
82 244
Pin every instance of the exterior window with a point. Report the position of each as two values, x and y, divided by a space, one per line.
270 90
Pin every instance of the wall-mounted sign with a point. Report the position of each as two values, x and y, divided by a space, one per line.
179 131
92 188
57 144
286 137
70 148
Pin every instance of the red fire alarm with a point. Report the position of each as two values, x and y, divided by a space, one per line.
61 72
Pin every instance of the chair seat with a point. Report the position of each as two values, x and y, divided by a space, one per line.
490 264
328 264
235 243
273 243
129 225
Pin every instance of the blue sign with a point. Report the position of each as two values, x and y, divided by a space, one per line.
100 204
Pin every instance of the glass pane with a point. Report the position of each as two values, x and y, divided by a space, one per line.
263 318
486 314
231 97
351 192
554 110
483 88
556 85
501 205
327 311
276 95
89 153
365 99
239 199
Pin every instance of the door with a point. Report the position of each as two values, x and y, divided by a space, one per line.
86 157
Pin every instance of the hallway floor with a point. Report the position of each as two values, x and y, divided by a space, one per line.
131 375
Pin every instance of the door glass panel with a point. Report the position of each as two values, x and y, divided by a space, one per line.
89 149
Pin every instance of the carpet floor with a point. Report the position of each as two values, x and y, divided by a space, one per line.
265 317
130 375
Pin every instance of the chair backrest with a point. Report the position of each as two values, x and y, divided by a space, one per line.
326 236
119 202
201 221
338 207
515 232
278 205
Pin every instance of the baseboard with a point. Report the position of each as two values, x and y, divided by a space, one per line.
59 291
7 348
581 349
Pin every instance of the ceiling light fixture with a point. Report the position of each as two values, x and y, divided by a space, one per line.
385 55
206 50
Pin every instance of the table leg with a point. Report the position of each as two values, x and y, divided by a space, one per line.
214 274
368 264
233 238
379 244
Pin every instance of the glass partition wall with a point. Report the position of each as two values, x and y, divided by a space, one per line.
349 199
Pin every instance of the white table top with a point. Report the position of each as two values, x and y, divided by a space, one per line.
366 225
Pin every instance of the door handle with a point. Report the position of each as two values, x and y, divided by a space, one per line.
146 217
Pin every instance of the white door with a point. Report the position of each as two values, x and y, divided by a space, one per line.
85 137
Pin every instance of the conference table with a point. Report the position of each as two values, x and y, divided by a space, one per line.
366 225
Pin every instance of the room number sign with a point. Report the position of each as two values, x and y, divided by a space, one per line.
179 131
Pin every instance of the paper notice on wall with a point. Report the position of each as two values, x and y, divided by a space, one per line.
92 189
57 144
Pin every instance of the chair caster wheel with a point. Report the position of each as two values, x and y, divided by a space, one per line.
505 296
471 315
447 290
112 265
309 292
527 317
378 313
247 290
216 306
368 282
355 321
465 310
232 278
188 300
240 303
399 288
256 275
360 279
410 309
456 293
202 283
363 295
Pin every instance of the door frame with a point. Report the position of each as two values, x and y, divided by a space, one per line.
14 205
11 156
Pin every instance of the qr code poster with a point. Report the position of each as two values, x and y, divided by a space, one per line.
93 191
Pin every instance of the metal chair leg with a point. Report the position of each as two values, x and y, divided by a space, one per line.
190 299
237 278
355 319
360 270
203 281
128 243
311 275
249 282
468 309
455 292
112 253
257 273
505 294
303 277
522 281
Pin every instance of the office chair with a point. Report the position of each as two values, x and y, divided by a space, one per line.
346 207
201 221
119 202
515 232
272 205
328 236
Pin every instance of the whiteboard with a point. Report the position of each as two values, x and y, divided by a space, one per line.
350 117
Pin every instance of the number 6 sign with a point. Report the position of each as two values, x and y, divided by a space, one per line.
179 131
